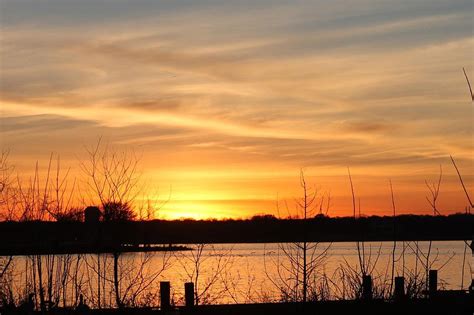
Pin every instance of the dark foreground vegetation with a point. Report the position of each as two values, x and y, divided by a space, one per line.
34 237
454 305
448 304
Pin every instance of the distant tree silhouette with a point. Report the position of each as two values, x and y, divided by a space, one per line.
117 211
72 215
263 217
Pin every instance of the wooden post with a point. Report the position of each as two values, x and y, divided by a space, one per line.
118 301
433 282
472 245
366 287
189 294
165 295
399 293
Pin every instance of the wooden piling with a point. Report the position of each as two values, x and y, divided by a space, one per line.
189 294
399 292
367 287
433 282
165 295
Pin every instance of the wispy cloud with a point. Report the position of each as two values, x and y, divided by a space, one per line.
250 85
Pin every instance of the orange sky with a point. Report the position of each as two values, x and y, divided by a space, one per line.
226 102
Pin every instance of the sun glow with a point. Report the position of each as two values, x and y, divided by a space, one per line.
197 210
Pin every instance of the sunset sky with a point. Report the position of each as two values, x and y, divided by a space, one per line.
225 101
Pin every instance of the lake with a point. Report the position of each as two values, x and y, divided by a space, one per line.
240 273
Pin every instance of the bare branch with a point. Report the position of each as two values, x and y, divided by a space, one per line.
468 84
462 183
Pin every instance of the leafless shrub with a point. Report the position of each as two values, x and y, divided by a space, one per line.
349 276
348 279
116 211
138 276
124 280
209 269
297 266
44 197
434 189
250 292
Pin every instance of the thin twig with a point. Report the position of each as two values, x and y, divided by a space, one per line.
468 84
462 183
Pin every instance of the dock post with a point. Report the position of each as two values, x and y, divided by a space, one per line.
366 287
189 294
433 282
399 292
165 295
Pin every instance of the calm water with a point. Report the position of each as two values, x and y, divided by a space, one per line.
256 264
242 273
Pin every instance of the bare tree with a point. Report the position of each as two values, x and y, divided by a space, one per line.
298 267
434 189
150 205
112 177
114 181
